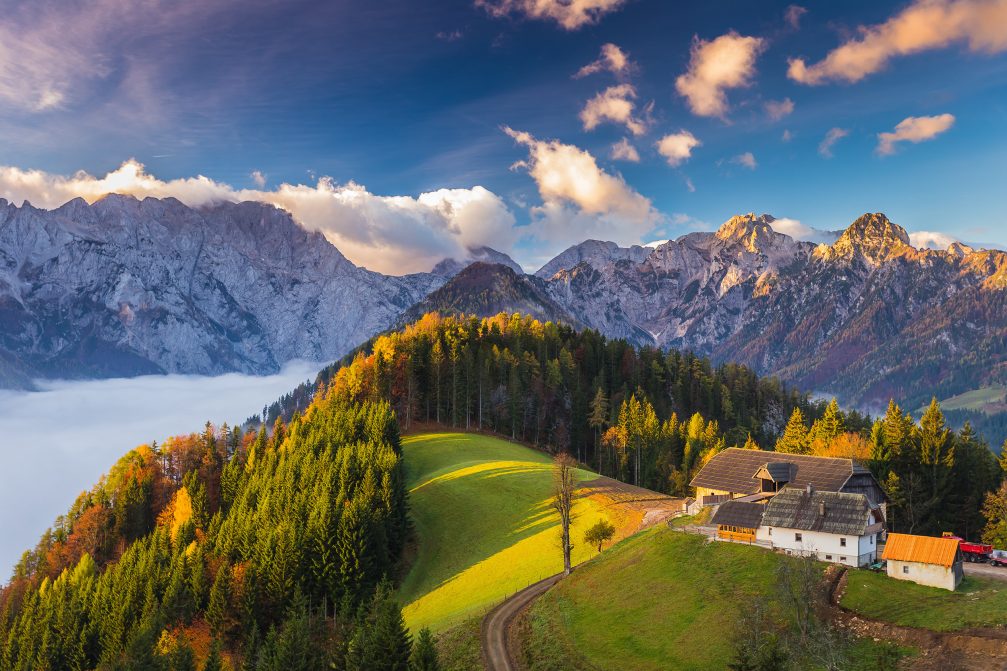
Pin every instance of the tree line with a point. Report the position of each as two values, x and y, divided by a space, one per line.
268 550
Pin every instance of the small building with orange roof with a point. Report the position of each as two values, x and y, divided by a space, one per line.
936 562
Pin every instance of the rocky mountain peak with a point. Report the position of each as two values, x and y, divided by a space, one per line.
754 232
874 237
450 267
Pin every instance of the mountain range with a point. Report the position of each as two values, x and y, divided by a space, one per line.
126 287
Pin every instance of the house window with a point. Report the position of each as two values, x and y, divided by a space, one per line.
828 557
872 540
797 537
905 569
770 531
842 542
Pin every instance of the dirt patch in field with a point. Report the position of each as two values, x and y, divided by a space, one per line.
631 508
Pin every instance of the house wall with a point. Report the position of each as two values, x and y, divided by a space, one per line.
824 546
703 491
931 575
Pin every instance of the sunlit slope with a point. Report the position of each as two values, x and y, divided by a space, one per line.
485 526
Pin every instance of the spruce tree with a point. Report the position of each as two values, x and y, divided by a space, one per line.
795 436
218 612
424 656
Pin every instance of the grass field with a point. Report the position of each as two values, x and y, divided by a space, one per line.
986 399
978 602
484 524
662 599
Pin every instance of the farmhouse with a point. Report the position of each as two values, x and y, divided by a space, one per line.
936 562
836 527
758 475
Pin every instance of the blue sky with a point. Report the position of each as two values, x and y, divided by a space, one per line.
403 98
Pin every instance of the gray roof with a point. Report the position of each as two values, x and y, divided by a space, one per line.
734 470
739 514
829 512
777 471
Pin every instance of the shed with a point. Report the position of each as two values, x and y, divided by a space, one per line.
926 560
738 520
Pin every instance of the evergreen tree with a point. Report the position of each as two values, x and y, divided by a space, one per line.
424 655
218 612
795 436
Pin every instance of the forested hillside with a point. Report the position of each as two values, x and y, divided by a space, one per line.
262 551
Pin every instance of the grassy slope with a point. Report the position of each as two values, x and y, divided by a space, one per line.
660 600
986 399
978 602
484 523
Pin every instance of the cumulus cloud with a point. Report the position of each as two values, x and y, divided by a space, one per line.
793 15
922 26
914 129
614 104
831 138
391 234
623 150
800 231
612 59
569 14
258 178
676 148
579 199
717 65
745 160
777 109
99 421
931 240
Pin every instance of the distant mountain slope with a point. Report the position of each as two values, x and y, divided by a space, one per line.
486 289
868 317
125 287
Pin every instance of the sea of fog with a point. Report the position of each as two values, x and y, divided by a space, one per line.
57 442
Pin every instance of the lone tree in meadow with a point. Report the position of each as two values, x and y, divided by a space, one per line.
599 534
564 481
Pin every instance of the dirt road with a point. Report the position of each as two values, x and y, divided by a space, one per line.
496 644
986 571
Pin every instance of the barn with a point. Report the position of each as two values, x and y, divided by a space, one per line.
926 560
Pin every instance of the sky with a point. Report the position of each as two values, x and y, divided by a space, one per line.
48 463
409 131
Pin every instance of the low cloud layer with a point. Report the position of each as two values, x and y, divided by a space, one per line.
914 129
800 231
922 26
676 148
390 234
48 463
612 59
569 14
715 66
615 105
580 200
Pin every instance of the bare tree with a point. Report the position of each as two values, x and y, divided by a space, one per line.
564 481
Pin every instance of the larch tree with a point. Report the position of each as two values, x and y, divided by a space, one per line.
564 483
795 436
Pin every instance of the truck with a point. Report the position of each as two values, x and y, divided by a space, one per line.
999 558
973 552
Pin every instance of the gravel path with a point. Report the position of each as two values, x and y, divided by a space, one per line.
496 643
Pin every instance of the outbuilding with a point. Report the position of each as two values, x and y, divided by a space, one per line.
926 560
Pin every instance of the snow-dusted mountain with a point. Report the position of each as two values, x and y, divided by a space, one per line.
125 287
867 317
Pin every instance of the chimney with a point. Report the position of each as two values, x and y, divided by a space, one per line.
821 508
810 489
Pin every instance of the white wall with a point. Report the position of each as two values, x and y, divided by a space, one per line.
931 575
859 550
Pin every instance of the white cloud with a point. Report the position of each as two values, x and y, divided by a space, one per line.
914 129
715 66
777 109
623 150
654 244
800 231
612 59
745 160
570 14
614 104
391 234
931 240
258 178
99 421
831 138
676 148
922 26
579 199
689 185
793 15
787 135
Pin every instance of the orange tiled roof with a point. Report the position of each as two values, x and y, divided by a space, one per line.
923 549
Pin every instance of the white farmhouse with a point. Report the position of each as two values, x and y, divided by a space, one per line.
836 527
936 562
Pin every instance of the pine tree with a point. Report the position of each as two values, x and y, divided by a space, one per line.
388 646
424 656
795 436
213 660
218 612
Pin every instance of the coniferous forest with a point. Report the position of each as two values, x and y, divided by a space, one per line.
275 547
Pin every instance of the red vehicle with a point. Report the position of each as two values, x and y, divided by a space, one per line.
972 552
999 558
